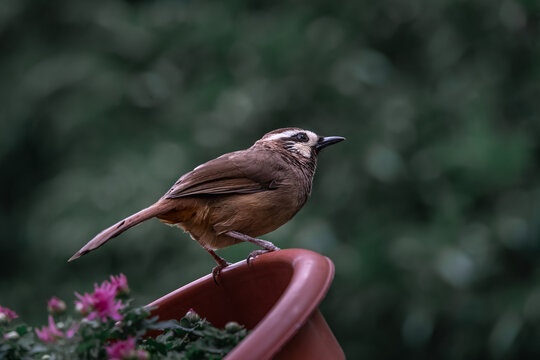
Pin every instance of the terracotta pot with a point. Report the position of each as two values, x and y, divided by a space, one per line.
276 297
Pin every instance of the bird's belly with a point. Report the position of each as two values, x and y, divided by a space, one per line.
254 214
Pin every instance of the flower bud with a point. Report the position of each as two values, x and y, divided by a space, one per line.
82 308
143 355
56 305
192 316
12 335
6 315
120 283
232 327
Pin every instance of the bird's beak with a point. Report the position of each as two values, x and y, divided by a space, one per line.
326 141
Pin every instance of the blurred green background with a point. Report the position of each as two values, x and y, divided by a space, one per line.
430 210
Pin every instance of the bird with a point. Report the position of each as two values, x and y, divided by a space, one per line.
236 197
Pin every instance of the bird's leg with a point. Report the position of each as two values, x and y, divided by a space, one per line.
221 263
266 245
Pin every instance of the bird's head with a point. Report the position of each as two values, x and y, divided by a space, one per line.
299 142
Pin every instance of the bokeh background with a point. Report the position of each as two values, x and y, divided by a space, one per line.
430 210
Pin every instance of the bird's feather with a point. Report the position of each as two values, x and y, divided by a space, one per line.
234 173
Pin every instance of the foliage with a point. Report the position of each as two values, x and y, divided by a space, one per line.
121 337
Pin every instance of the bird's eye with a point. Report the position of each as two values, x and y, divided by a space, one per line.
301 137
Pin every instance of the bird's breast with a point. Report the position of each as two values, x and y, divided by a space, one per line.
258 213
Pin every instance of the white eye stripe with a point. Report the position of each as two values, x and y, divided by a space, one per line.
290 133
282 135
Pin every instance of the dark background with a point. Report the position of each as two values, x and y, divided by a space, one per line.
430 210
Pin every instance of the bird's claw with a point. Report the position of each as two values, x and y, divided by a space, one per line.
252 255
216 271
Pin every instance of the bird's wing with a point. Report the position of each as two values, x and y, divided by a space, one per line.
240 172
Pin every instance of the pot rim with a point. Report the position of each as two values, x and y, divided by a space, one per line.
312 275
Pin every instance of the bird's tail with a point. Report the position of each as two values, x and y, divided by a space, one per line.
118 228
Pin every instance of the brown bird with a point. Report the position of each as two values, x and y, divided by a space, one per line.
237 196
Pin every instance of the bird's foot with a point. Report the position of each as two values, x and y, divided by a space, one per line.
252 255
266 245
216 271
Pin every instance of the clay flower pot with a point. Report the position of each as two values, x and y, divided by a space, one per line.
276 297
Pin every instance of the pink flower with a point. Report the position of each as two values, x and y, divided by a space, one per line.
51 333
45 336
125 349
56 305
84 306
121 349
105 305
7 314
120 282
72 330
101 303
